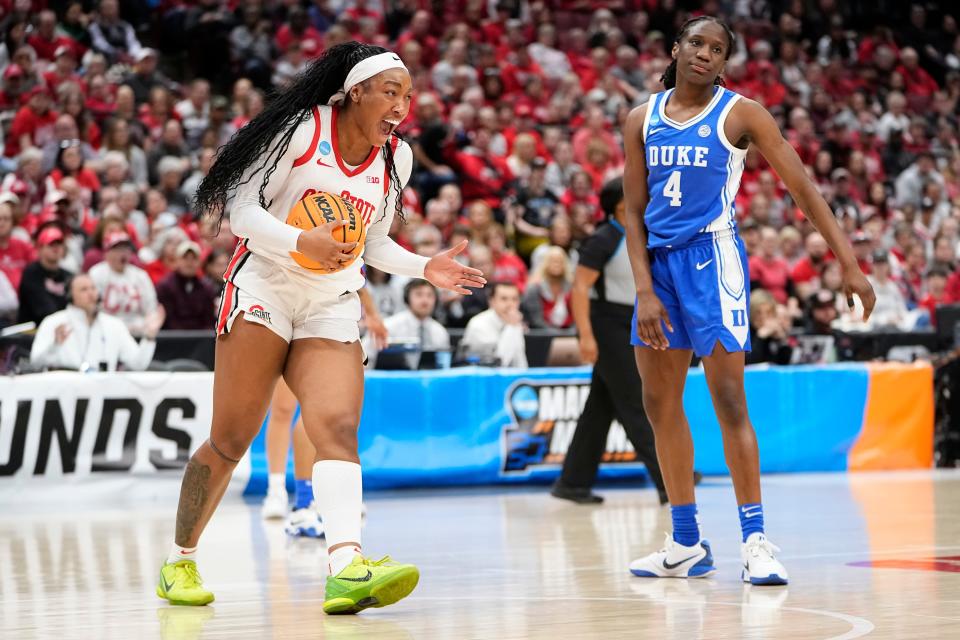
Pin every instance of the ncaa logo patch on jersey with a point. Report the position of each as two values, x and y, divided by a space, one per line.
324 147
704 130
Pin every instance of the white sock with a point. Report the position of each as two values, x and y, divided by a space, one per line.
178 553
338 492
276 483
342 557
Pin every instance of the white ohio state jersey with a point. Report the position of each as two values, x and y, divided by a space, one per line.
311 164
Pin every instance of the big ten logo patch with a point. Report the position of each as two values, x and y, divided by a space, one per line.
364 208
544 416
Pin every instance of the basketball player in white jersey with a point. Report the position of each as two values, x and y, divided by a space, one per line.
331 131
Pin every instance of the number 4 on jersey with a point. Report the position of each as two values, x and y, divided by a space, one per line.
672 189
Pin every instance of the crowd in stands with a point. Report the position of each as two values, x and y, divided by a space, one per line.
112 114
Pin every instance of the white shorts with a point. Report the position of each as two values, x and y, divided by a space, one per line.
272 296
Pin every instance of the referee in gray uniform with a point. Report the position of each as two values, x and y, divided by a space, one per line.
602 302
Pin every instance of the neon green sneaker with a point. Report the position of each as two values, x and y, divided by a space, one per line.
367 583
181 584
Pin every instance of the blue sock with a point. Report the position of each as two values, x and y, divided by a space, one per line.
685 528
304 494
751 519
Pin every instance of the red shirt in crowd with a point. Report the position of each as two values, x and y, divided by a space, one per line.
773 274
482 177
951 292
918 82
804 270
311 40
15 254
508 267
47 48
39 126
515 77
86 178
930 303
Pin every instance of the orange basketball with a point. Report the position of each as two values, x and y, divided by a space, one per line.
320 208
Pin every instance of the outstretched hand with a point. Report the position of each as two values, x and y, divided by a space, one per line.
445 272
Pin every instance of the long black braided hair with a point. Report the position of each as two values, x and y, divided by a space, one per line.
669 77
266 138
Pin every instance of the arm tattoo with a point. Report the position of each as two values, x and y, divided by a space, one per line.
194 494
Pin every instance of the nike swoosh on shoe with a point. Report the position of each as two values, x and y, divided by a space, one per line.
365 578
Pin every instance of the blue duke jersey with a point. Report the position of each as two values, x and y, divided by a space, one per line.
694 171
697 262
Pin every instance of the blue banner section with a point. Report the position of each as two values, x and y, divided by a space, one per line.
482 426
806 417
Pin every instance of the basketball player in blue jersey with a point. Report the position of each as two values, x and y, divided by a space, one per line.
685 151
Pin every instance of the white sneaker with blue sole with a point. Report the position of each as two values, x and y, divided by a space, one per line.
760 566
304 523
675 560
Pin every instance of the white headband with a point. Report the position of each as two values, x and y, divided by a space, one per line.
366 69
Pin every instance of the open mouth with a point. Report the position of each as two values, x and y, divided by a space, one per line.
388 126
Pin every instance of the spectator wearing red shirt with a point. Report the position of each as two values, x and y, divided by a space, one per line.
808 267
45 40
64 69
578 53
600 164
33 124
599 66
13 87
918 83
595 127
299 29
419 32
507 265
360 11
495 29
524 122
516 74
768 270
767 88
70 163
581 192
937 293
483 175
15 254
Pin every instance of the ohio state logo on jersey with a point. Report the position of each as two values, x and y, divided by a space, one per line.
364 208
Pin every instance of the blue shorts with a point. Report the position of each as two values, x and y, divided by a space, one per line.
705 288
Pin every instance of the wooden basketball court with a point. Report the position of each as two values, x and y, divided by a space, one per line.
869 555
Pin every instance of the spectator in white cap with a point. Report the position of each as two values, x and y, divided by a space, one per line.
145 76
188 299
170 171
126 290
195 111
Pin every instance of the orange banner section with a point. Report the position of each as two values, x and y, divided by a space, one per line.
897 428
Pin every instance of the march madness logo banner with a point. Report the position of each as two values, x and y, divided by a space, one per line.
543 417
